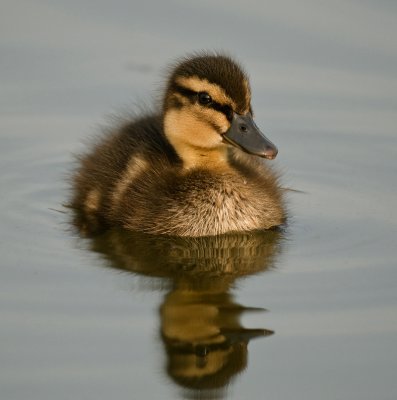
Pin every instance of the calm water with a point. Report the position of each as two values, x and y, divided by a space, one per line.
309 313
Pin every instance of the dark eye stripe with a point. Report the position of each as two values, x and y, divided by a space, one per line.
224 109
191 94
185 91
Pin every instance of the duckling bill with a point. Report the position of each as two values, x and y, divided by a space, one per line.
244 133
194 168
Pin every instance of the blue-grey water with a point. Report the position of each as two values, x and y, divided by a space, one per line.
93 319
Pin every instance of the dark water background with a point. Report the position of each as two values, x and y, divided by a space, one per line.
95 319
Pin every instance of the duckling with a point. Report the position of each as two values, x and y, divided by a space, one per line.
193 169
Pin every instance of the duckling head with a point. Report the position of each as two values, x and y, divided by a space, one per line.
207 108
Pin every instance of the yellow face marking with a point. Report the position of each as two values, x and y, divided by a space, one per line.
202 85
195 140
247 95
185 126
181 99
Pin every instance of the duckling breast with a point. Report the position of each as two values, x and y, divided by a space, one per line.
200 203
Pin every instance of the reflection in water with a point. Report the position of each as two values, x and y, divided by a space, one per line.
204 340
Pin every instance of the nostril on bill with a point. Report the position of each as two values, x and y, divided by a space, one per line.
243 128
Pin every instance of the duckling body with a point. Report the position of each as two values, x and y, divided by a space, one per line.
177 173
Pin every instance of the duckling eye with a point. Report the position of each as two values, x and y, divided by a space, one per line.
204 98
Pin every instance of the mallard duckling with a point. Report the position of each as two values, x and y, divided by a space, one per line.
194 169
